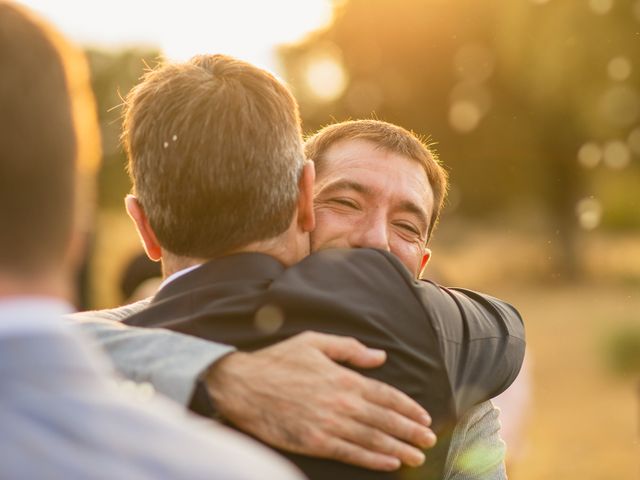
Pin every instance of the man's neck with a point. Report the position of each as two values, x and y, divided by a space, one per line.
174 263
54 285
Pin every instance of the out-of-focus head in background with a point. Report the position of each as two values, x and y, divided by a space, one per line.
49 144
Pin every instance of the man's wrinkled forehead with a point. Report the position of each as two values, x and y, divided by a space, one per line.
344 151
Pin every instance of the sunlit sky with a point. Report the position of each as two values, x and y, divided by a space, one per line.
247 29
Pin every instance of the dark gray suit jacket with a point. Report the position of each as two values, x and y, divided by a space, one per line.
449 349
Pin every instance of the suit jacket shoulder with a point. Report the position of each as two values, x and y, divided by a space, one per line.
480 339
170 361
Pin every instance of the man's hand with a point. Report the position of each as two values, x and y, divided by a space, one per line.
294 397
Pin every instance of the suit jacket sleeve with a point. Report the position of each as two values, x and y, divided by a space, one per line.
170 361
482 340
470 346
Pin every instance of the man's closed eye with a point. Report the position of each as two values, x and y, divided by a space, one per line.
409 228
345 202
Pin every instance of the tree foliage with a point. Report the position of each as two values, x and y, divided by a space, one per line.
113 74
510 90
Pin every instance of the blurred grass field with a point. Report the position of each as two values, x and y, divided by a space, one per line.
584 420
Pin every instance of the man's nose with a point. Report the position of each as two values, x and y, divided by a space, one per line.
371 233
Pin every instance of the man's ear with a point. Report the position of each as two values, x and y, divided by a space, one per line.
146 233
425 259
306 215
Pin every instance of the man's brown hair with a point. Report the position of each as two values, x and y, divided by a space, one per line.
43 93
389 137
215 151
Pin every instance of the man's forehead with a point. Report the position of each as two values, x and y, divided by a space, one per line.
366 155
350 149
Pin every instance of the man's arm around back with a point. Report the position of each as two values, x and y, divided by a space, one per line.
301 381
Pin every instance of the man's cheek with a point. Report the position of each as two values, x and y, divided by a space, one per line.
318 236
327 236
410 254
328 223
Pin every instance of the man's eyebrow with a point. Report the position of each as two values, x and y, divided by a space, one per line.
346 185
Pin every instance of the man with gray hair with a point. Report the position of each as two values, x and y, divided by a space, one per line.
452 348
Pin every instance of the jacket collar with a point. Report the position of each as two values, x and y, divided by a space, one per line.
237 267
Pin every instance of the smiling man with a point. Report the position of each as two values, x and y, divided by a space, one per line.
377 186
380 186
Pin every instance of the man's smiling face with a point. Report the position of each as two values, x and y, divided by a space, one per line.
368 197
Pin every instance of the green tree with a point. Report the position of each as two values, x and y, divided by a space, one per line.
113 74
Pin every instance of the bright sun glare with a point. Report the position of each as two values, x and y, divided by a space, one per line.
248 29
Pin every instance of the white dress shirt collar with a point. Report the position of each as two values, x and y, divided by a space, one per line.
177 274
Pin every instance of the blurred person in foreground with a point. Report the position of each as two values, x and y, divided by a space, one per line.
452 348
371 192
61 415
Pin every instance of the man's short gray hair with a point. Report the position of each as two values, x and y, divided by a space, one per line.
215 152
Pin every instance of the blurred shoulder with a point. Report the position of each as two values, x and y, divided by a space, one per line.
112 314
